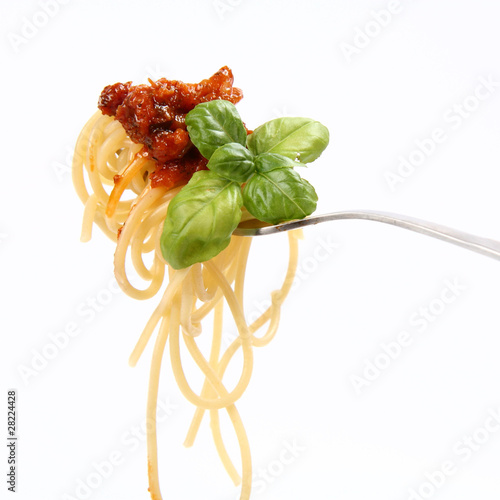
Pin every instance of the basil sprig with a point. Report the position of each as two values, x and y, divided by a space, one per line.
254 170
213 124
279 195
201 219
300 139
232 161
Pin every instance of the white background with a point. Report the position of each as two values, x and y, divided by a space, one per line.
388 90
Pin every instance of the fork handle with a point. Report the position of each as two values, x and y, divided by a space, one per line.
484 246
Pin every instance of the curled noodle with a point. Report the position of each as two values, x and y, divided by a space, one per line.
111 179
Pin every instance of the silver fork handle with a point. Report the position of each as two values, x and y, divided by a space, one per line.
484 246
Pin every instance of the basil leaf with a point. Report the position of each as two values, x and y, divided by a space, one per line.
200 219
213 124
232 161
279 195
271 161
301 139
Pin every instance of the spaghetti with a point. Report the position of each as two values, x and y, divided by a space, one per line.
112 177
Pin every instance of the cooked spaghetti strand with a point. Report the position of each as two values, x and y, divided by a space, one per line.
112 178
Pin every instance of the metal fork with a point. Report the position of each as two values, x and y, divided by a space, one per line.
485 246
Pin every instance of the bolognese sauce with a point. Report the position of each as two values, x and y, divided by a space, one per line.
154 115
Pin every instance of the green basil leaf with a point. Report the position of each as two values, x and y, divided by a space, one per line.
232 161
271 161
279 195
213 124
200 219
301 139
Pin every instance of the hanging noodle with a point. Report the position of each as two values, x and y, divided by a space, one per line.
125 207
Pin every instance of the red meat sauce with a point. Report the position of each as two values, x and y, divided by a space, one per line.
154 115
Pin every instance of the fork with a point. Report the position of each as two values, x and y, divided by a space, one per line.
484 246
